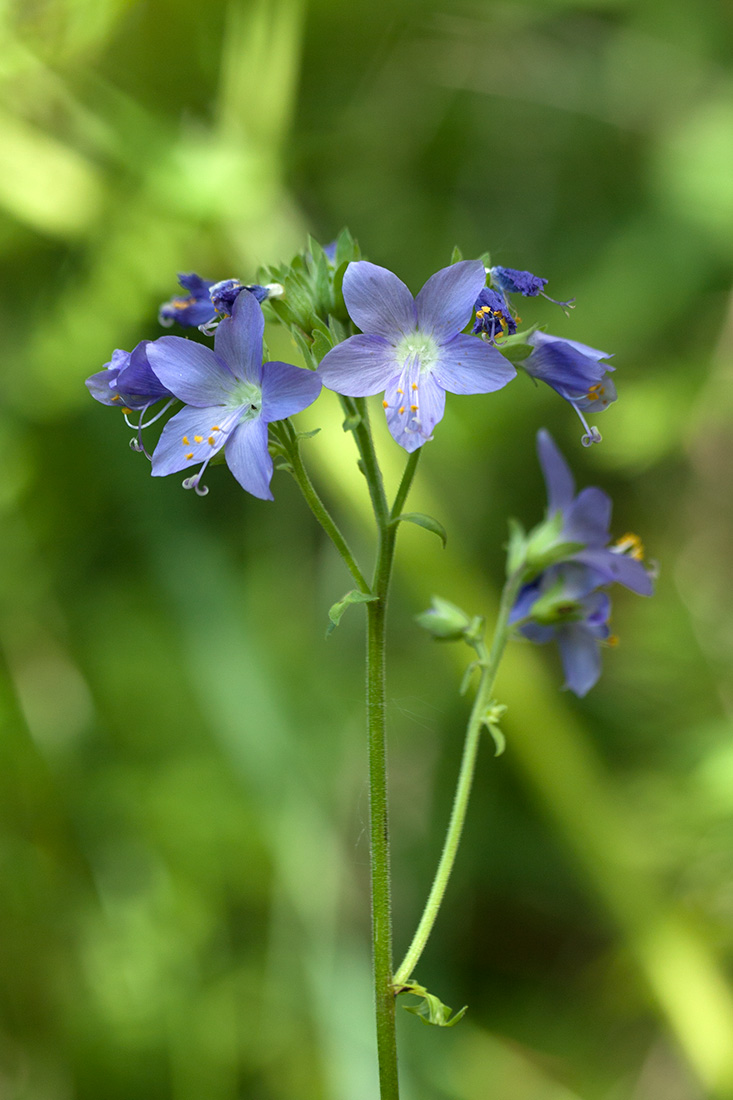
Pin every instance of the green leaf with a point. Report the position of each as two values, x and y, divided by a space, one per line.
456 255
431 1010
421 520
346 248
338 609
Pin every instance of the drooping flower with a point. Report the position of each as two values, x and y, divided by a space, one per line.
493 316
576 372
565 605
511 281
230 397
413 349
128 383
583 522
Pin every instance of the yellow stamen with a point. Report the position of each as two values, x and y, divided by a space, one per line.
400 392
413 408
126 410
211 441
612 639
216 428
185 440
116 397
401 409
385 404
414 385
190 455
181 303
198 439
632 544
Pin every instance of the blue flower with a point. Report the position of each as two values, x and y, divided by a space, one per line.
511 281
565 605
493 316
583 522
413 349
576 372
230 397
127 382
192 310
208 302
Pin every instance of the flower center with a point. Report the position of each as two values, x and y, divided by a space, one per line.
421 348
249 396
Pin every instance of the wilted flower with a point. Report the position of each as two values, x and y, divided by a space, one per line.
576 372
413 349
192 309
511 281
230 397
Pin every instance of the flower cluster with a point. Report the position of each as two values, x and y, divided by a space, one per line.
573 560
458 335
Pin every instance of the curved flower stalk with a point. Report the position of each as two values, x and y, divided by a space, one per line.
575 371
413 349
230 397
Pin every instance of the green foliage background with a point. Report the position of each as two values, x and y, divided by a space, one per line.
182 760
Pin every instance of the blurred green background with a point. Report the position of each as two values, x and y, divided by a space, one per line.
182 764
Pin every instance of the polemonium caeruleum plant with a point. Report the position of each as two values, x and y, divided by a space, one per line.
360 333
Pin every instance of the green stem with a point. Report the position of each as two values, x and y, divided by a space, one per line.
318 508
489 661
378 799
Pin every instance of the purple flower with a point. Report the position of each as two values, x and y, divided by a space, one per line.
128 383
583 520
511 281
230 397
413 349
208 302
576 372
564 605
493 316
191 310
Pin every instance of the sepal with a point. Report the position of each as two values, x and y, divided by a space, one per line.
545 546
491 718
431 1010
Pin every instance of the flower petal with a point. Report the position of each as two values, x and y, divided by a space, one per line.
414 405
287 389
191 371
556 472
468 364
445 303
249 459
581 658
238 339
378 302
588 518
613 566
360 366
137 377
186 440
543 339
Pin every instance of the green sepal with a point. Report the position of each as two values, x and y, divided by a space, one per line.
338 609
456 255
444 620
421 520
485 259
431 1010
490 718
516 348
544 547
304 347
347 249
516 554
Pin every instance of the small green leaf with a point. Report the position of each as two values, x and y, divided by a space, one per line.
338 609
431 1010
307 435
494 713
421 520
456 255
